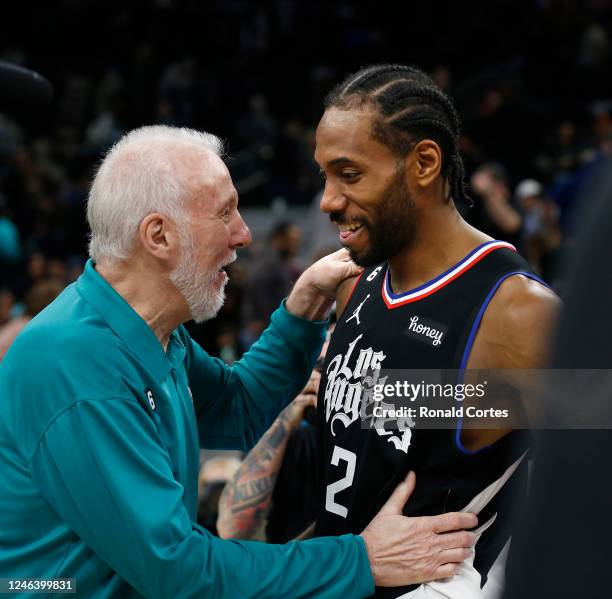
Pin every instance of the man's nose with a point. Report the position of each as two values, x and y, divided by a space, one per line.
332 199
241 234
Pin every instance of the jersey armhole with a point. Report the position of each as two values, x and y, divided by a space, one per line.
349 296
470 343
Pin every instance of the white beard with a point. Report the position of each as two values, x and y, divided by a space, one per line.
197 288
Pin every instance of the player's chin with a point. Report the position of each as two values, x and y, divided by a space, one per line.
360 258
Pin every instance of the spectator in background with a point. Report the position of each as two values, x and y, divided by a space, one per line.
7 302
561 153
37 298
227 343
74 268
10 250
35 271
258 127
10 247
57 269
498 102
271 279
541 236
177 90
496 214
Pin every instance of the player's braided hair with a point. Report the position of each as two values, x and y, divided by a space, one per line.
409 108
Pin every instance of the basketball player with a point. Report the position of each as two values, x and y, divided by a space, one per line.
436 293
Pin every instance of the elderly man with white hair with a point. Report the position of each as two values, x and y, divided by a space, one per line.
104 400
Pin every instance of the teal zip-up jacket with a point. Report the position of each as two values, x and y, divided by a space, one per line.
100 430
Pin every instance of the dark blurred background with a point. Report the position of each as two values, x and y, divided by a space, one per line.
531 80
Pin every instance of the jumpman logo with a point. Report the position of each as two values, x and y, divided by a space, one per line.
355 314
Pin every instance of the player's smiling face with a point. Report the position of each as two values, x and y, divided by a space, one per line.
366 193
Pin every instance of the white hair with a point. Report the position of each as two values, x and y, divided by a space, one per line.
138 176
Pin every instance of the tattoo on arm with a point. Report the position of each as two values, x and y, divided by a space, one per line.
246 499
278 435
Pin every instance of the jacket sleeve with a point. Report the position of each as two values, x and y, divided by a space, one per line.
103 468
236 405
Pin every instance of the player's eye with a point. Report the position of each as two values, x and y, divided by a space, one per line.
350 175
322 175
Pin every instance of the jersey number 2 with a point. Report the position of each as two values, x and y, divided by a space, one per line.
346 481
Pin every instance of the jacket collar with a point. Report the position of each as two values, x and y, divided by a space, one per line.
127 324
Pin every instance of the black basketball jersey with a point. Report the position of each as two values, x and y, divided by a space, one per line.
430 327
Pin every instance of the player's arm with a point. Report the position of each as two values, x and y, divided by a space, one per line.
345 290
246 499
517 327
515 335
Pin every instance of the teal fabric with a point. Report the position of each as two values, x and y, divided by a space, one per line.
99 435
10 250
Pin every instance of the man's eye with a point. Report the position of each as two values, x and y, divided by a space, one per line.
349 175
323 175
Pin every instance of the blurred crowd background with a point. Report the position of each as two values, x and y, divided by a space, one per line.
531 80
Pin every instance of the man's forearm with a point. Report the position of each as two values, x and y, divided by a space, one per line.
256 387
246 499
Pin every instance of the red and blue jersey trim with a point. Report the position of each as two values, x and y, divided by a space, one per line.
393 300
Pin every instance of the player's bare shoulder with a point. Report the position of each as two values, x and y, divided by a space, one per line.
345 290
517 326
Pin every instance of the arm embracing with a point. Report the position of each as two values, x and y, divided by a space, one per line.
125 504
235 405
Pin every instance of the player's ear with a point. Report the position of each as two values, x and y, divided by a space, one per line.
426 162
159 236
